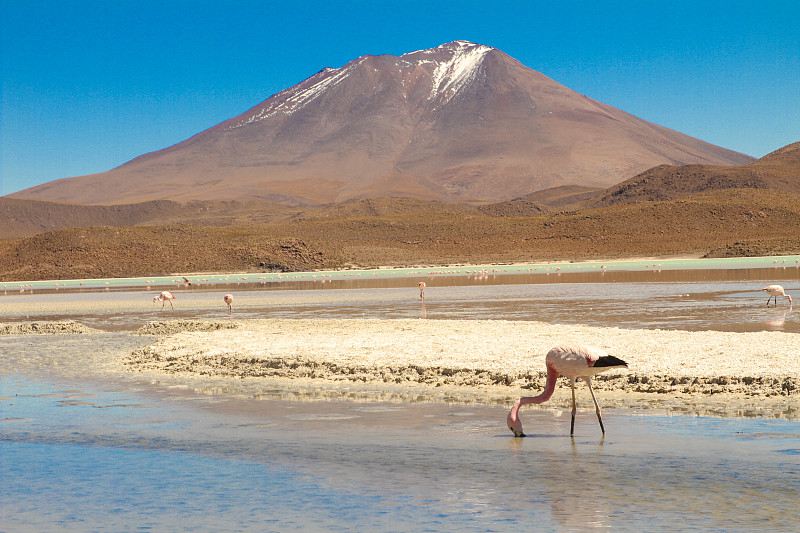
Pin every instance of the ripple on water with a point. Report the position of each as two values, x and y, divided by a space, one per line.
378 409
795 451
321 417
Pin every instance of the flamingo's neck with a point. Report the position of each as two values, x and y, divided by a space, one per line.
513 421
549 388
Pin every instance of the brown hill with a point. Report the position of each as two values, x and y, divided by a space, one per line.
25 218
779 170
518 207
378 207
21 218
461 122
563 195
716 223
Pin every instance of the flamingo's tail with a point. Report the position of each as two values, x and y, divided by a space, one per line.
609 360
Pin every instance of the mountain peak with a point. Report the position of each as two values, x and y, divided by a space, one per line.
454 46
452 66
462 67
461 121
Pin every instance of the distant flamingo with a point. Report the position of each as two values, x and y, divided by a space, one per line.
421 286
573 362
165 297
776 290
229 300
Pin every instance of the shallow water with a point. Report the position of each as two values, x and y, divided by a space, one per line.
692 300
80 459
754 267
81 453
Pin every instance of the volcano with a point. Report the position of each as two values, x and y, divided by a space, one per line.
461 122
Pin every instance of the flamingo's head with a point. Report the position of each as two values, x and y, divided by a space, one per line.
155 299
513 421
790 299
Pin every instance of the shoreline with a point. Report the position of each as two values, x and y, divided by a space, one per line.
680 262
485 361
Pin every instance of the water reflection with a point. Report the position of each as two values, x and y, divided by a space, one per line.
570 479
580 501
777 322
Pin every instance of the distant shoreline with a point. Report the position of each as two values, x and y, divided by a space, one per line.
627 264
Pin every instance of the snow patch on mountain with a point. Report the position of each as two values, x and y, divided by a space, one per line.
290 100
453 66
450 76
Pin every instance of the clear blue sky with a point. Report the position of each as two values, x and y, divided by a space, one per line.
89 85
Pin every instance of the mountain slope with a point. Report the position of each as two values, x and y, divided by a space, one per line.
778 170
22 218
460 122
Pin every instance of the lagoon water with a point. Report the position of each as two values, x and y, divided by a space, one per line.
692 300
82 452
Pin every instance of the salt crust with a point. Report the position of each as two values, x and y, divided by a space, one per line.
46 328
476 353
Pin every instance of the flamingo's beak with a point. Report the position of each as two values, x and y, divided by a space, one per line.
517 433
515 424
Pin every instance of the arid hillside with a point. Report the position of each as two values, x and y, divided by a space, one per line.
734 222
778 170
22 218
25 218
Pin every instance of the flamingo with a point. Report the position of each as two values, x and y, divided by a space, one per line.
776 290
164 297
572 361
229 300
421 286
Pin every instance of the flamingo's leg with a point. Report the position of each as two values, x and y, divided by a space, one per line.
596 405
572 424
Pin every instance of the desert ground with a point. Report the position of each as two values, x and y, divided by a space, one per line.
370 234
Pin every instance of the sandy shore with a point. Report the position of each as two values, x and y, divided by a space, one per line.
486 361
490 358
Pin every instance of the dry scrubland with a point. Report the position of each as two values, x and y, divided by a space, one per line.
736 222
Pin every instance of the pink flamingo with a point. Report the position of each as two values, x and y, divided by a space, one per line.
165 297
421 286
229 300
573 362
776 290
